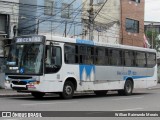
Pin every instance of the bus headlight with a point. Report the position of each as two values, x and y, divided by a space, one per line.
34 83
8 82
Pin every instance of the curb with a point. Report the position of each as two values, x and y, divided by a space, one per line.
155 88
14 95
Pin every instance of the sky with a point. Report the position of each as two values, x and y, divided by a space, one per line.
152 10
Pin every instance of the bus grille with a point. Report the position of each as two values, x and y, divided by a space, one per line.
19 82
19 88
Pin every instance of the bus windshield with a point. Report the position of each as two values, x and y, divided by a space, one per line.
25 59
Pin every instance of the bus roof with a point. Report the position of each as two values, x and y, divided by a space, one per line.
89 42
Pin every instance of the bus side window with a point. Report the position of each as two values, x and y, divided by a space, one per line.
99 55
151 59
140 59
129 59
47 57
71 53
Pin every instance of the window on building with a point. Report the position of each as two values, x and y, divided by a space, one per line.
49 7
137 1
66 10
3 19
132 26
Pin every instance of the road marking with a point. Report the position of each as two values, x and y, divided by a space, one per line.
129 98
132 109
48 103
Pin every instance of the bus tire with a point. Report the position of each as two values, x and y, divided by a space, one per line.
101 93
121 92
38 94
128 88
68 90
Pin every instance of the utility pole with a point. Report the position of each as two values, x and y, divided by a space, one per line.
37 31
91 20
65 31
152 37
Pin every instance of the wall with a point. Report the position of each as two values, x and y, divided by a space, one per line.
53 24
27 17
107 22
11 9
132 10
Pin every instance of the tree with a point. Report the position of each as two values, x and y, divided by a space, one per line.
156 40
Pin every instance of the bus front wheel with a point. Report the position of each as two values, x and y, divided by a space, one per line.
38 94
128 88
68 90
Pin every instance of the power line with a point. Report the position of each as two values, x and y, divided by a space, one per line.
48 17
76 16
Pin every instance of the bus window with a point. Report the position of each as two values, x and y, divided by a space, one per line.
86 54
151 59
71 56
140 59
115 57
53 59
106 56
128 58
99 58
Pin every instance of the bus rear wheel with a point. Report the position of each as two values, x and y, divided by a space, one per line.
128 88
68 90
101 93
38 94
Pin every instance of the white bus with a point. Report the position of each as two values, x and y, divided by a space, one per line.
38 65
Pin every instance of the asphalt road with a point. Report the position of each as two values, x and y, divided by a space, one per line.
141 100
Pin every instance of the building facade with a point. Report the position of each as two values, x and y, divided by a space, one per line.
132 22
51 17
117 21
9 13
106 20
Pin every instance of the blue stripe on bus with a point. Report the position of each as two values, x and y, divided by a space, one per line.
88 42
135 77
28 81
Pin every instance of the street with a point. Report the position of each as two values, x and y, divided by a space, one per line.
141 100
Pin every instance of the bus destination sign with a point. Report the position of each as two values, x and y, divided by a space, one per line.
28 39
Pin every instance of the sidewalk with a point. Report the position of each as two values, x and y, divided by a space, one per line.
10 93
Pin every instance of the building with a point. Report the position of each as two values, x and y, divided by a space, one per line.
50 17
132 20
9 12
118 21
106 20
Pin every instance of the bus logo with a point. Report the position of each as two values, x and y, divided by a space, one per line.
22 70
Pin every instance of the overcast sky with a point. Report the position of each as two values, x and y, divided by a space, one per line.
152 10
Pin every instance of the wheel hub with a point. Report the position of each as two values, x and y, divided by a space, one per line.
68 90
